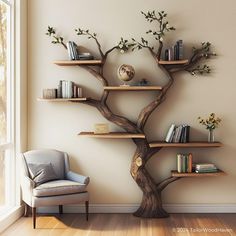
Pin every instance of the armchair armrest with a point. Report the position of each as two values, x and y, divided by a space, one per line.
70 175
27 183
27 186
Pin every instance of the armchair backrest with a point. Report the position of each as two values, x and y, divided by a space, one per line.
56 158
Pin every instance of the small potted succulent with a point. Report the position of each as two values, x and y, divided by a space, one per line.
211 123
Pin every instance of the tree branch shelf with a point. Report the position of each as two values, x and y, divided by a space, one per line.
174 173
177 62
151 204
197 144
115 135
132 88
61 99
79 62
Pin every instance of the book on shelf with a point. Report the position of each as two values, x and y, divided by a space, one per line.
49 93
205 168
68 89
72 50
184 163
175 52
178 134
170 133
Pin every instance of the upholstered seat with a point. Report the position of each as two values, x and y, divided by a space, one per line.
46 180
58 187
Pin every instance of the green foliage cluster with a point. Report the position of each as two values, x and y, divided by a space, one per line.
56 39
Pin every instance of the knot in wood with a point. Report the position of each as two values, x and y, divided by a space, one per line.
139 161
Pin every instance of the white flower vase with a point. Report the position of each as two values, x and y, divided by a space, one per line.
211 137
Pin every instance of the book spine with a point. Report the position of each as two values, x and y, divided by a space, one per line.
75 92
185 163
179 163
69 51
170 54
63 89
166 55
79 92
170 133
59 89
181 49
190 163
69 89
175 52
187 134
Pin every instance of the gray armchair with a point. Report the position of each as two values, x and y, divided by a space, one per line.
46 180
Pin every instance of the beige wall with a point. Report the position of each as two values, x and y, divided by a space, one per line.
107 162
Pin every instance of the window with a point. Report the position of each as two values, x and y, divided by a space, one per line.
6 107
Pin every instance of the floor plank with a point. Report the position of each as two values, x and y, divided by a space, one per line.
125 225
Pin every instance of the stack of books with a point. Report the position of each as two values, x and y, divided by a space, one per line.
178 134
74 54
184 163
68 89
175 52
205 168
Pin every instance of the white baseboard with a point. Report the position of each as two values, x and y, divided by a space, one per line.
130 208
7 219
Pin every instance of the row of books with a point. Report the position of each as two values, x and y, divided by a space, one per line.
68 89
184 163
178 134
175 52
74 54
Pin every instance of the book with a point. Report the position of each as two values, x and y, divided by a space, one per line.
207 171
69 50
179 163
181 49
170 133
177 134
59 89
190 163
184 163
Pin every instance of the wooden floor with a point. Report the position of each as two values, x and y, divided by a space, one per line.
125 224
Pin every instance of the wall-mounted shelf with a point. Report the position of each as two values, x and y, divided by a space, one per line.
174 173
61 99
111 135
78 63
186 145
132 88
177 62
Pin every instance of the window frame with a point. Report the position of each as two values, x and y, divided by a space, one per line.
9 145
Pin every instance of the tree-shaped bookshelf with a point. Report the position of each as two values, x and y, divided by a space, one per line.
151 205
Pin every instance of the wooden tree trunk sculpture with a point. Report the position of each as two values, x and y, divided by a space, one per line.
151 205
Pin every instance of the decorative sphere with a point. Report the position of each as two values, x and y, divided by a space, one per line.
125 72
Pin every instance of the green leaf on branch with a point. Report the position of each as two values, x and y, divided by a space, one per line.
204 69
51 32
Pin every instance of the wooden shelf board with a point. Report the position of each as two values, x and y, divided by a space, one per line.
112 135
177 62
174 173
61 99
132 88
78 62
190 144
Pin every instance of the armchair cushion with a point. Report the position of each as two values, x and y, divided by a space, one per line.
41 173
58 187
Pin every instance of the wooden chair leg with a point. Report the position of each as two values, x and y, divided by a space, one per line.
34 216
60 209
87 209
